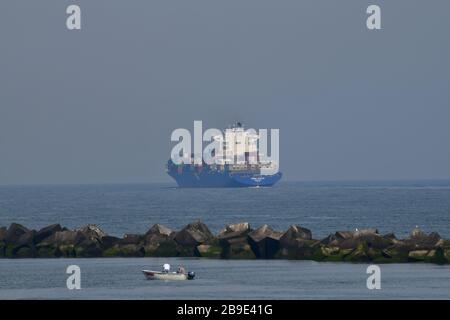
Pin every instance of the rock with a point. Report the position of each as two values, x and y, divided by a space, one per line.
46 232
390 236
421 241
447 255
127 250
264 242
371 240
360 254
434 256
365 232
132 239
88 249
232 238
16 242
329 251
293 235
433 238
69 237
376 255
67 250
343 235
263 232
416 232
333 254
159 242
208 251
159 230
396 253
234 233
132 250
418 255
235 245
235 241
330 240
162 248
2 249
238 250
15 231
194 234
297 243
299 250
351 240
50 252
443 243
64 243
25 252
26 239
321 252
92 232
8 250
112 252
109 241
63 238
439 256
186 251
237 228
3 232
158 233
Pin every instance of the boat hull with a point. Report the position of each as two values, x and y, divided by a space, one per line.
203 177
252 180
157 275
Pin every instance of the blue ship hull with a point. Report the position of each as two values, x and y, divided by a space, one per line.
188 176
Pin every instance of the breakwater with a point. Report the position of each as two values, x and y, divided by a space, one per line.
235 241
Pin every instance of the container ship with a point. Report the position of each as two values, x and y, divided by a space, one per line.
226 171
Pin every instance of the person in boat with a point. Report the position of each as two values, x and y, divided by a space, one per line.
181 270
166 268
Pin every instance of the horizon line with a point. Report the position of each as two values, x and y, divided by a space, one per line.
409 180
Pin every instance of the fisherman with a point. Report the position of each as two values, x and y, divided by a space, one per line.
166 268
181 270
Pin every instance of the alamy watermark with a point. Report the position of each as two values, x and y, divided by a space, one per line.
73 282
73 21
374 280
233 146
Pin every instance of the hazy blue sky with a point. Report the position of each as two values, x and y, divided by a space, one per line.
98 105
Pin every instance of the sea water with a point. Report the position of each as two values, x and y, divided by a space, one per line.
322 207
121 278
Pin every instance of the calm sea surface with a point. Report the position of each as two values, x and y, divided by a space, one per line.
119 278
323 207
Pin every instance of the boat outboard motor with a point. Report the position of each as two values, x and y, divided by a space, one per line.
191 275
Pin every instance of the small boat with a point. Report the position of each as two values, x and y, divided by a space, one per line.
159 275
